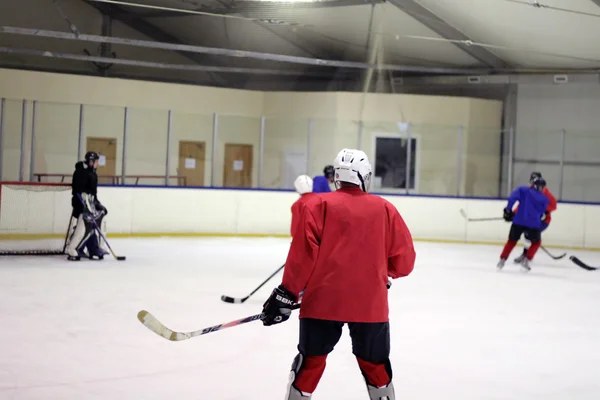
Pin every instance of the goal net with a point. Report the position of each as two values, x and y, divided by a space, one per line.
34 218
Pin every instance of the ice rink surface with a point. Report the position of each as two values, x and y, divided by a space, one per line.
460 330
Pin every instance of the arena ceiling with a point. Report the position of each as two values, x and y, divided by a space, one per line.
285 45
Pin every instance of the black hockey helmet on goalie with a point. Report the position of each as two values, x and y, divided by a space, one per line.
90 159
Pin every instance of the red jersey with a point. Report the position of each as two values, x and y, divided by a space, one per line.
552 204
296 207
348 243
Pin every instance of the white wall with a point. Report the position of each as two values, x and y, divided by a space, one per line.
542 112
335 125
133 211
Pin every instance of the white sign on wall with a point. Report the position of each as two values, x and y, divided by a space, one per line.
238 165
190 163
102 161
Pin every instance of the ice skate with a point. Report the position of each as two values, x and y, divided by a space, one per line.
520 259
525 265
500 264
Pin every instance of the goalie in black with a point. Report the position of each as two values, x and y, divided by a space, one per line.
86 210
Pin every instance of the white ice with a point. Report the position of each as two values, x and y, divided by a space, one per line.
460 330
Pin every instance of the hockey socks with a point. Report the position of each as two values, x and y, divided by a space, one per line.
508 247
532 250
305 375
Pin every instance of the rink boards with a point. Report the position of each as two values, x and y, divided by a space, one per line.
150 211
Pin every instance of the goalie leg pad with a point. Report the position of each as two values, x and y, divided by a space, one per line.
83 230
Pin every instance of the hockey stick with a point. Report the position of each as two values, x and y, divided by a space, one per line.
464 214
583 265
553 256
157 327
238 300
118 258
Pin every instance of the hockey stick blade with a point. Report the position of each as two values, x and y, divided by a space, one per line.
150 322
238 300
553 256
581 264
233 300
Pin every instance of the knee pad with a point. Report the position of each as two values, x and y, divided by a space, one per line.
305 375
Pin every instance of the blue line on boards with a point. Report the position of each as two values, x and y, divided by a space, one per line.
434 196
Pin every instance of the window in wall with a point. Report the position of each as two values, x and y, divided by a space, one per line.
391 162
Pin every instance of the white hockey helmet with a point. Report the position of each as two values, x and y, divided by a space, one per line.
303 184
353 166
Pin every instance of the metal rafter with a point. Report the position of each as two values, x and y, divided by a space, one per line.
261 7
445 30
157 34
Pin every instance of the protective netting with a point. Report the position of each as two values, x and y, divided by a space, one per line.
34 218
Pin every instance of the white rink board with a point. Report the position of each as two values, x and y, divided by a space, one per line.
149 211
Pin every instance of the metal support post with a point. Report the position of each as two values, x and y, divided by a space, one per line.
309 144
563 134
2 119
23 138
124 157
33 134
511 160
361 127
408 157
215 138
459 162
168 159
261 150
80 134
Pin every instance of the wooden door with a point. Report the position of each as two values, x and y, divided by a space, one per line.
191 162
107 150
237 171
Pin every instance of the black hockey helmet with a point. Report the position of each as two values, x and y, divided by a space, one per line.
534 175
91 157
538 183
328 171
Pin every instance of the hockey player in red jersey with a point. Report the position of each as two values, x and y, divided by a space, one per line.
348 243
304 187
552 205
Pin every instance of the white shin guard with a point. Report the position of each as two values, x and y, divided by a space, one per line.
382 393
292 392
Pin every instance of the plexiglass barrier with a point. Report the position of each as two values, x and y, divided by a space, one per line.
42 141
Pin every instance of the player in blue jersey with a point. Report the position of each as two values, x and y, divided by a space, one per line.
527 220
321 183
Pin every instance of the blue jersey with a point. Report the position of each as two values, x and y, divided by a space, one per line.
532 205
321 184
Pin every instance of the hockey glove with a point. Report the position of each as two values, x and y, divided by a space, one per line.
508 215
278 306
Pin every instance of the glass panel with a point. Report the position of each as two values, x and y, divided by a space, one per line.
328 138
12 141
103 128
146 148
481 163
284 156
56 141
237 152
581 183
191 149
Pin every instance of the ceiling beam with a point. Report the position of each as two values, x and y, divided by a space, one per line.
157 34
445 30
260 7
